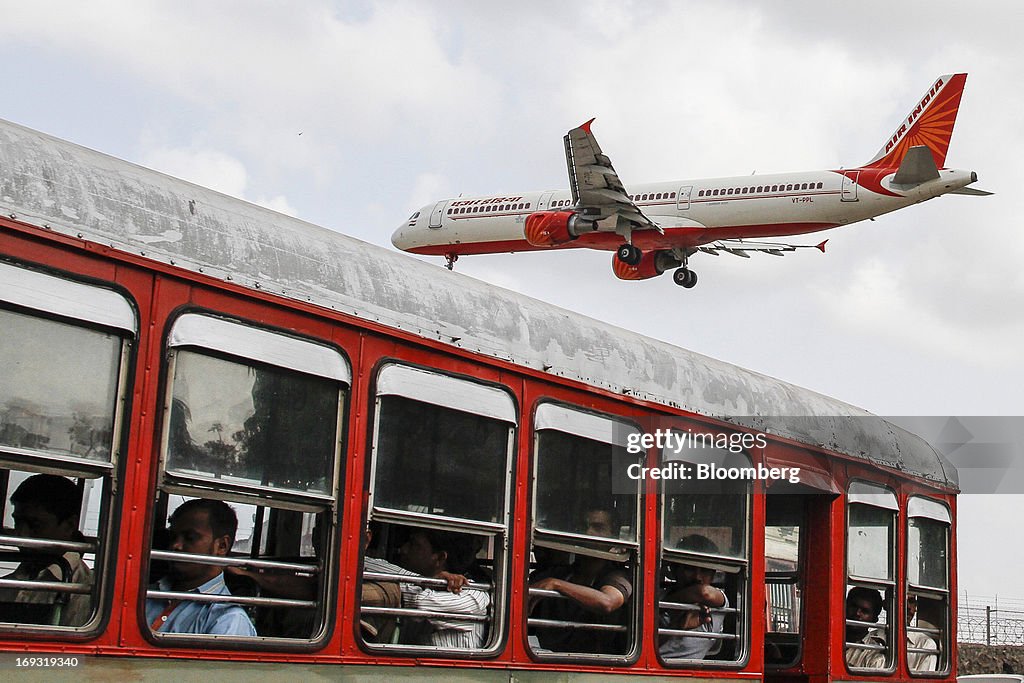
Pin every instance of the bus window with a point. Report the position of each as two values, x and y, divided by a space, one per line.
870 576
705 557
65 349
438 517
784 536
928 614
248 485
585 537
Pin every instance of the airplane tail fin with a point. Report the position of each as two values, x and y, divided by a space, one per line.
929 124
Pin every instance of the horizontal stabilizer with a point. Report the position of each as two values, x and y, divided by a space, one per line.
740 247
972 192
918 166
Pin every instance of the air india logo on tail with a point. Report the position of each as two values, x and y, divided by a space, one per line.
929 123
914 114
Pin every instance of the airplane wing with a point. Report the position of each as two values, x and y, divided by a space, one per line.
741 247
596 189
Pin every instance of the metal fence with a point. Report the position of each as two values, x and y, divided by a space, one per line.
990 625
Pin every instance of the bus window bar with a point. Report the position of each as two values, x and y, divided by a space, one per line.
871 582
918 629
782 577
922 651
554 623
612 545
423 614
868 624
87 547
869 646
691 607
235 492
933 592
232 561
675 632
422 581
51 462
436 521
721 563
51 586
234 599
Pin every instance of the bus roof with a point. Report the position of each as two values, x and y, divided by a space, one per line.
72 190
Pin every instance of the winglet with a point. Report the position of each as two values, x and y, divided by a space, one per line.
586 126
821 246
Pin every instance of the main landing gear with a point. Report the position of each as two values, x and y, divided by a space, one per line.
684 277
629 254
450 260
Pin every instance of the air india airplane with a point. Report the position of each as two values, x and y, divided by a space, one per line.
659 226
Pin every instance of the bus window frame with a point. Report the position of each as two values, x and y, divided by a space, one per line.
66 298
890 586
742 567
564 540
500 533
945 646
168 483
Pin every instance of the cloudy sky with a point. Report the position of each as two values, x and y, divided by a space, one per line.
353 114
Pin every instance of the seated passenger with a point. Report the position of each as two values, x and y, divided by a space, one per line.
693 586
47 506
864 604
920 661
596 590
202 527
441 555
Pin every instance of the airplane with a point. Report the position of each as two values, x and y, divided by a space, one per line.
658 227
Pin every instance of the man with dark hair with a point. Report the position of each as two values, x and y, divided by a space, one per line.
47 507
917 640
440 555
200 527
693 586
596 590
865 605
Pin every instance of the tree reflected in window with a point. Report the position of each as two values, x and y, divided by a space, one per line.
252 424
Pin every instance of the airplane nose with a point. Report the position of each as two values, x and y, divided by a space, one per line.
399 239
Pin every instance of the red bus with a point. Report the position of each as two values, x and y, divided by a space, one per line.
162 343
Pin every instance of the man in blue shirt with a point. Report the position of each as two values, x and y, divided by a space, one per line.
202 527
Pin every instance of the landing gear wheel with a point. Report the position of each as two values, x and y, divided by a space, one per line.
684 277
629 254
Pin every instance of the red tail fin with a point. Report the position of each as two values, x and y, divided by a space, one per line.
929 123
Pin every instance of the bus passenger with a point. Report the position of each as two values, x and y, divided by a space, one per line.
202 527
864 604
47 506
920 661
596 590
440 555
693 586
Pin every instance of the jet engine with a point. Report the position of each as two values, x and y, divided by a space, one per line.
652 264
549 228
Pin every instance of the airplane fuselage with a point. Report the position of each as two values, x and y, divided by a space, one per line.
701 211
